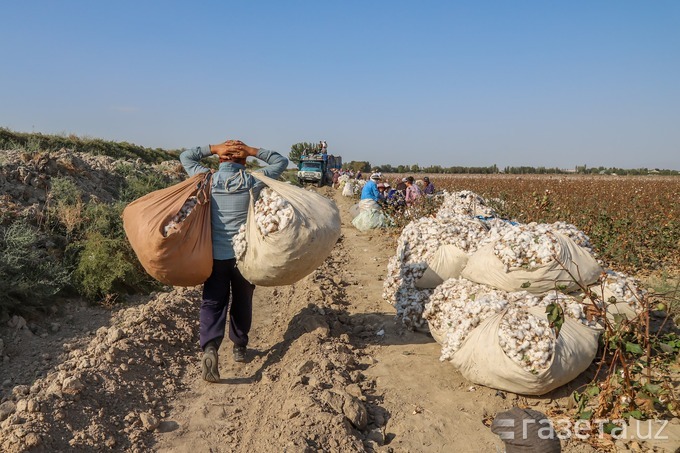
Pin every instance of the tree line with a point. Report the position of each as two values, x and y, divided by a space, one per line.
366 166
301 148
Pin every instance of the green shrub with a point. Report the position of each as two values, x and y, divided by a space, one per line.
290 176
65 190
65 205
33 142
138 186
29 275
105 219
108 266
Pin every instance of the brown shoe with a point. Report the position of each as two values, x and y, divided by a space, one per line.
209 364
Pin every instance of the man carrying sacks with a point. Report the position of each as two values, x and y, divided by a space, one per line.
230 199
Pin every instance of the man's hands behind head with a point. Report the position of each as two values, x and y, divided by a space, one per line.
233 151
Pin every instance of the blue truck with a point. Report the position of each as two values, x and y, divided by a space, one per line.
317 168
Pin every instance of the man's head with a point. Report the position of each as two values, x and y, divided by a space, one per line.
426 179
409 181
233 159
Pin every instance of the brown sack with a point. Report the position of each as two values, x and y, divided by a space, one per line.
184 258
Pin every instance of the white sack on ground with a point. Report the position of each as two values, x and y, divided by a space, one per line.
459 308
348 188
482 360
417 245
447 262
354 210
285 256
516 267
369 216
370 220
621 295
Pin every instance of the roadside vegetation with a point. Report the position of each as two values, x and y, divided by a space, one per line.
36 142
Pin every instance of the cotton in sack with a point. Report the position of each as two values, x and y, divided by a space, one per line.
348 189
174 250
286 256
447 262
485 267
482 360
354 210
620 294
370 216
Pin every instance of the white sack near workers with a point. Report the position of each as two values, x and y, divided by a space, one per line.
288 255
369 220
486 268
368 204
369 217
447 262
481 358
348 190
354 210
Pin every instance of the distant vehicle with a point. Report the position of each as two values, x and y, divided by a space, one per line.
316 168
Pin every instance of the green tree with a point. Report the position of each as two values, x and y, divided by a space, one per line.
356 165
300 149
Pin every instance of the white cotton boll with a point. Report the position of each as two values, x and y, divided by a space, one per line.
457 307
525 246
271 214
181 216
269 211
464 203
535 349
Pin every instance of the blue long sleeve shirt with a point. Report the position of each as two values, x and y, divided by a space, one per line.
230 193
371 191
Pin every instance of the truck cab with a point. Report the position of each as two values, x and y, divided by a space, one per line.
312 169
316 168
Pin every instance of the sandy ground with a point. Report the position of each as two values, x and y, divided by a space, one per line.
329 369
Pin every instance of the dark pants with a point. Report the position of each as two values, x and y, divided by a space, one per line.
225 280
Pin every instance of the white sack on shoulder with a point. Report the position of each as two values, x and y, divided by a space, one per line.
288 255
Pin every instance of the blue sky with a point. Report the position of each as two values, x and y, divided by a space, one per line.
474 83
